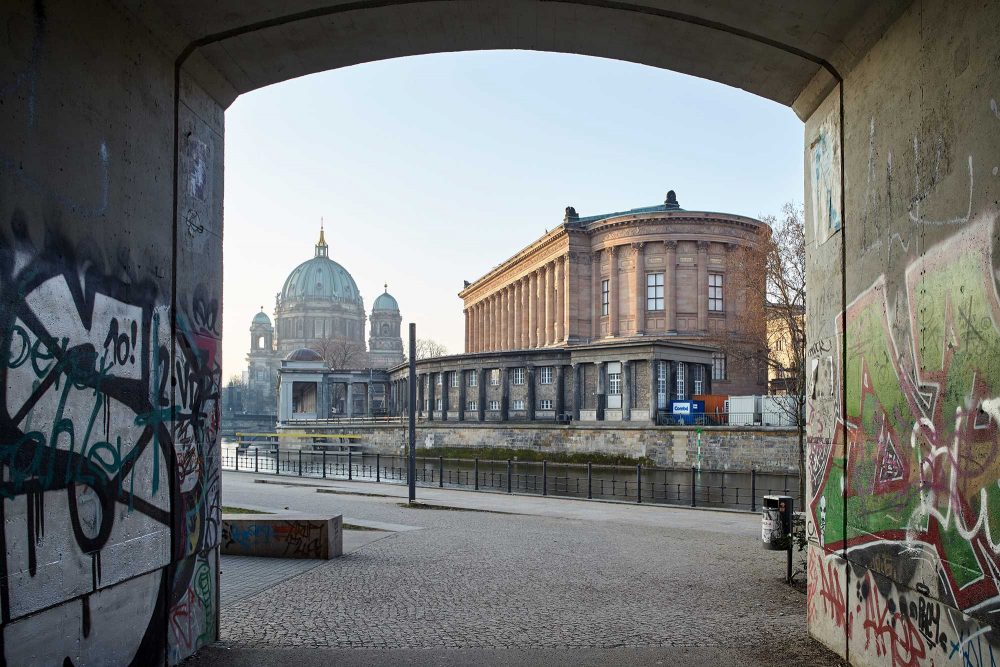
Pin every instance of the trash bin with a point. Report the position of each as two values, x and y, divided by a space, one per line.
776 522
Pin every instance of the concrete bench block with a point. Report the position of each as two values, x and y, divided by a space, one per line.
283 535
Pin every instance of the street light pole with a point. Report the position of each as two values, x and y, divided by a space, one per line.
411 466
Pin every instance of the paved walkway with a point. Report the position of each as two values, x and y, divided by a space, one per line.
560 582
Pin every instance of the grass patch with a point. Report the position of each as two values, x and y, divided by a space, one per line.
241 510
354 526
424 506
504 453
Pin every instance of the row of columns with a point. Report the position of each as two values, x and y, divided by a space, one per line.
427 390
528 313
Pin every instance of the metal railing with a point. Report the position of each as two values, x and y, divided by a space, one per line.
742 490
777 418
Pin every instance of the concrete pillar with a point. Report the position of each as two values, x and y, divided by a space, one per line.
560 404
670 286
349 408
530 379
626 390
613 312
654 370
431 395
559 284
462 382
445 395
708 378
703 285
595 316
504 394
481 402
639 285
602 392
550 302
577 390
533 310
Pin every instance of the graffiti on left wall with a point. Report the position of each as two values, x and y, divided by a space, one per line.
107 446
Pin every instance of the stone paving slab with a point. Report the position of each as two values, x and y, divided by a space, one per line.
242 576
570 579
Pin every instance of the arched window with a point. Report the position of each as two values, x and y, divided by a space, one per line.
385 328
260 343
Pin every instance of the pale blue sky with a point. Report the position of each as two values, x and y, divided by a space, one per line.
431 170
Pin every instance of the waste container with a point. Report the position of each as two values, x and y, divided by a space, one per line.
776 522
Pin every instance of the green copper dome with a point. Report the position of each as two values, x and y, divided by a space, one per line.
262 318
385 301
321 278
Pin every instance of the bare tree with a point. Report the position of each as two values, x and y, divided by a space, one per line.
341 353
427 349
772 339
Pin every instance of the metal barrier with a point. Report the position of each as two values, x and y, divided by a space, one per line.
742 490
779 419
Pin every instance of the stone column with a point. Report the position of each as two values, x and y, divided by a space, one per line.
560 307
639 275
560 390
653 394
511 318
533 310
431 397
602 379
505 394
504 320
461 395
549 301
567 299
595 273
577 390
670 285
487 319
708 378
529 373
349 408
626 390
496 322
518 313
703 285
465 312
613 312
481 402
445 396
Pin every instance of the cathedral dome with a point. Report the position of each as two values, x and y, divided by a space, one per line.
320 278
385 301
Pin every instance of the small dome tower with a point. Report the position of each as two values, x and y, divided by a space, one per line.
385 343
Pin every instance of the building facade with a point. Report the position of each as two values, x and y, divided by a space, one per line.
605 318
320 308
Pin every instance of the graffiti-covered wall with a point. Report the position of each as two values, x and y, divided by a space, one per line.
109 323
904 395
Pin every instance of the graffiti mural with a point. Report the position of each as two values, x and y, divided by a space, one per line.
102 454
824 177
913 493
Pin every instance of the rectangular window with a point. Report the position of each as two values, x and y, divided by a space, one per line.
680 387
494 405
454 379
519 404
471 405
615 384
495 377
654 291
545 404
517 375
698 373
440 379
437 404
715 292
605 297
546 375
473 378
661 384
718 366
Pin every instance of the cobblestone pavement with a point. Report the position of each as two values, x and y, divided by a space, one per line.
478 580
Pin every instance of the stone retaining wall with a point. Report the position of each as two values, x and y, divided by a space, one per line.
720 448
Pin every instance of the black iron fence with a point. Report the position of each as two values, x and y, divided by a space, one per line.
638 484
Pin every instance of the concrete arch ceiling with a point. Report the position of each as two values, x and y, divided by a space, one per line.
788 51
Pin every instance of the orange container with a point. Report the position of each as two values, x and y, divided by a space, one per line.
715 407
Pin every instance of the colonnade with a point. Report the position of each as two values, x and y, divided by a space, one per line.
530 312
